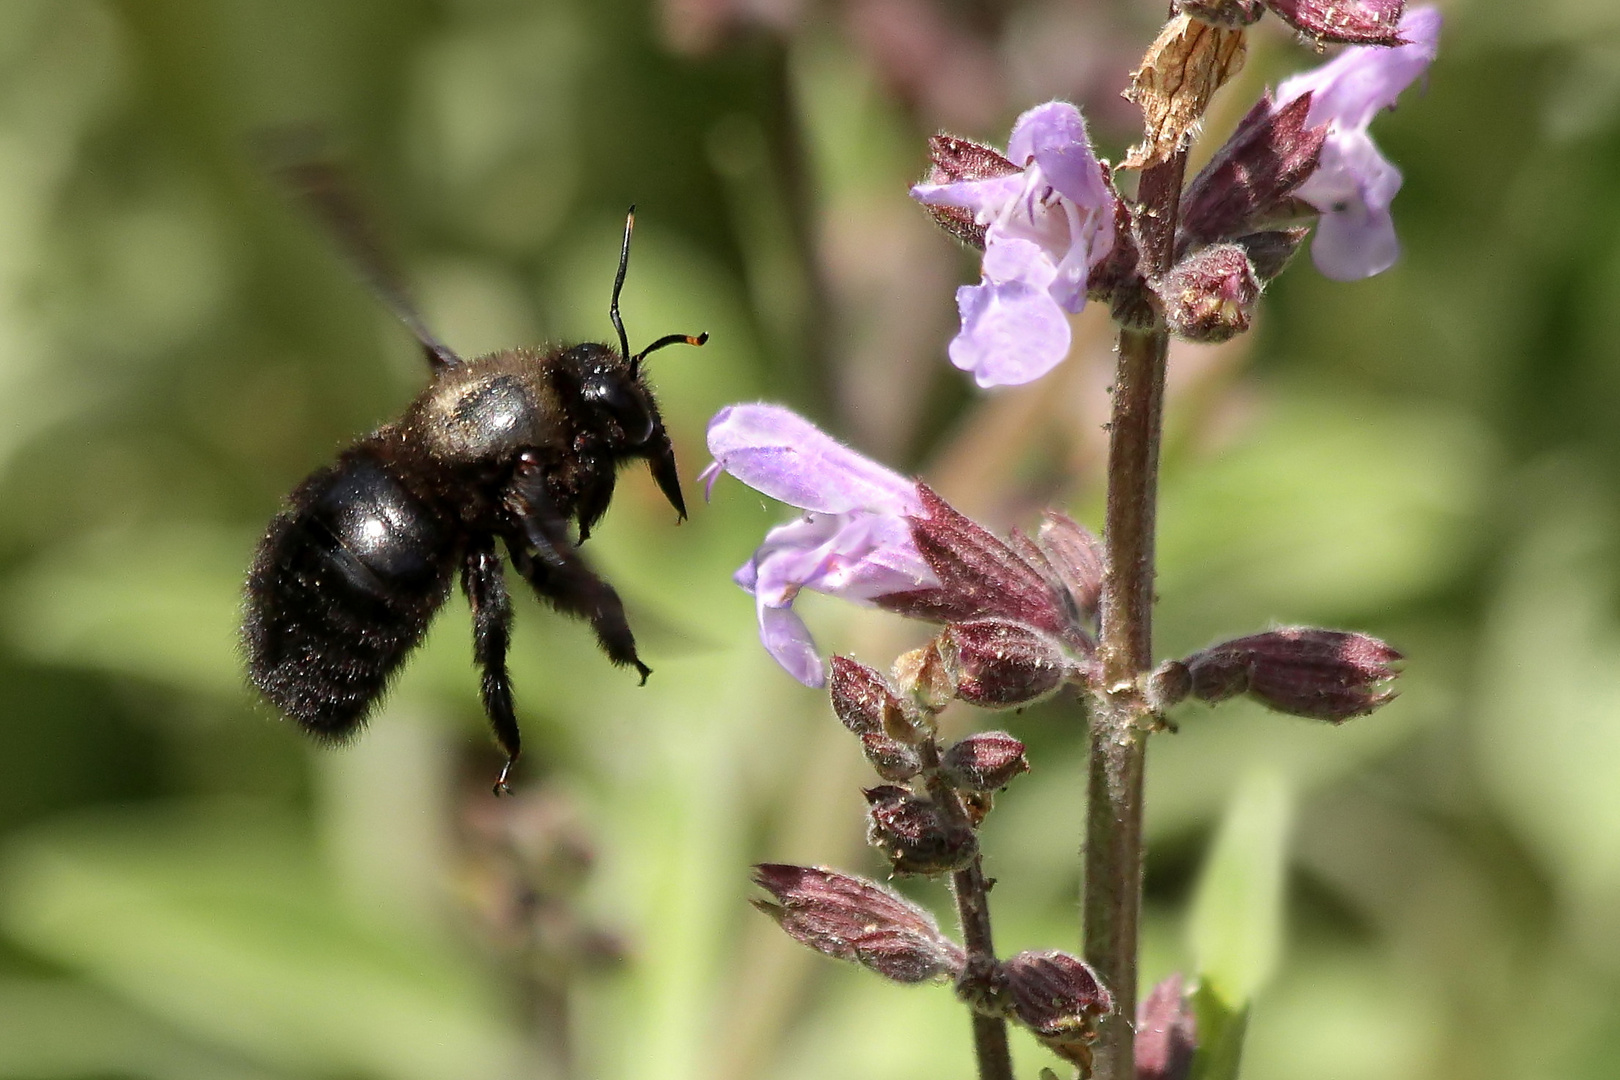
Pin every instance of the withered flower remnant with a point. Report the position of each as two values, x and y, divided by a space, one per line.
850 918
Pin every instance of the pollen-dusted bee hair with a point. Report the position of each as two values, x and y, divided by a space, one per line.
499 451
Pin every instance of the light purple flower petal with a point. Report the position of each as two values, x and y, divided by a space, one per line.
1353 188
1355 243
1364 80
788 640
1054 136
985 198
1354 184
777 452
1045 228
861 549
1013 331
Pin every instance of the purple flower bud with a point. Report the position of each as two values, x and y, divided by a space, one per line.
864 701
1078 558
891 759
1228 13
979 577
1356 22
987 761
1354 184
1045 226
1328 675
1209 296
915 833
1166 1033
1251 180
1058 997
953 161
854 543
1002 665
849 918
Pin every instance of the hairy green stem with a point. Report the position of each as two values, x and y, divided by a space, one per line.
1112 903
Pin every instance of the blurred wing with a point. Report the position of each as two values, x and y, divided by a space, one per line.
326 190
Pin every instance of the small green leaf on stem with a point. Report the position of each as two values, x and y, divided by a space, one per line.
1237 918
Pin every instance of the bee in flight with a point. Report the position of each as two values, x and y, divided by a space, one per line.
499 451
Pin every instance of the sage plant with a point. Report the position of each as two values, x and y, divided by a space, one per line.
1030 616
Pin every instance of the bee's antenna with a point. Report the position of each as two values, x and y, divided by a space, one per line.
618 286
618 322
667 339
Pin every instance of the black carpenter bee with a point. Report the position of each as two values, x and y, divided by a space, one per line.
508 447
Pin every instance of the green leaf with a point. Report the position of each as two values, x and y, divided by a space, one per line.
1220 1035
1237 919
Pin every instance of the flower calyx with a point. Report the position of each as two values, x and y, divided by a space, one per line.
850 918
1330 675
917 834
1060 999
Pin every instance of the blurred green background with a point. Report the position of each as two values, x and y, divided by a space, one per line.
189 890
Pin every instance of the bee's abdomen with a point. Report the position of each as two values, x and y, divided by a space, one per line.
342 588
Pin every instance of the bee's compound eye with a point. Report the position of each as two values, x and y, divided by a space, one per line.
621 402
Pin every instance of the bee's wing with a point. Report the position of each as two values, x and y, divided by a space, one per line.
325 189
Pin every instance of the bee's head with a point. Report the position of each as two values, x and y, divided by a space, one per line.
619 410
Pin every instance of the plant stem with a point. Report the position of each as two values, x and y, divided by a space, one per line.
1112 905
972 892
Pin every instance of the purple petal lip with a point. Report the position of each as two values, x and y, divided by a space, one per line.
854 542
781 454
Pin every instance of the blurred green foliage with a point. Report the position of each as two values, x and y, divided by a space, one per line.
187 889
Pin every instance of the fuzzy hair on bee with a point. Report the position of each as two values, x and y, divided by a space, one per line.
499 453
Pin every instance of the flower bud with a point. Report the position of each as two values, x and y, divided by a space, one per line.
952 160
915 833
865 702
1166 1033
1058 997
1002 665
892 759
1320 674
1357 22
1231 13
1209 296
850 918
987 761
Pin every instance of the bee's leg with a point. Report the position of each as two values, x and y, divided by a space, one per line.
557 572
485 586
594 497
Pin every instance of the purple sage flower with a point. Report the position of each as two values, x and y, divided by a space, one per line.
854 541
1354 184
1045 226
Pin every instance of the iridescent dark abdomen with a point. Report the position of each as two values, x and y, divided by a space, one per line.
342 588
